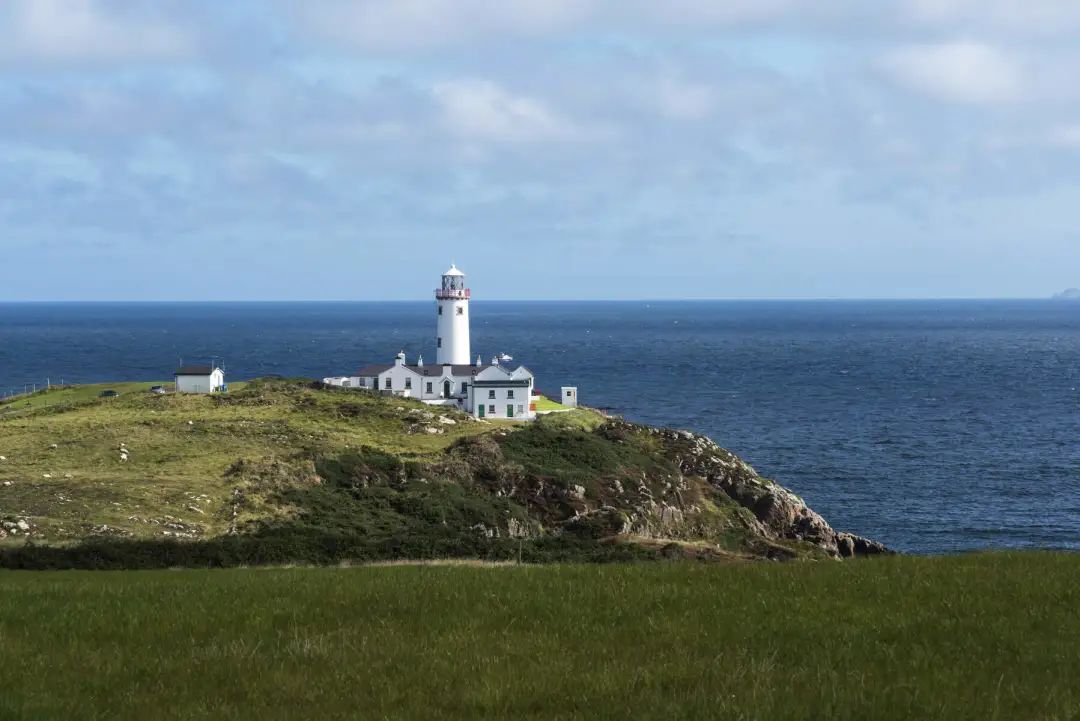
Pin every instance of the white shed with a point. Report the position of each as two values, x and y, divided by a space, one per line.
199 379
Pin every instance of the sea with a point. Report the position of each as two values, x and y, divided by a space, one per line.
931 426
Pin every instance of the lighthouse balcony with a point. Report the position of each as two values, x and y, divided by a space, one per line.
452 293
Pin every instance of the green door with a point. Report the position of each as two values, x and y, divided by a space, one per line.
481 411
510 411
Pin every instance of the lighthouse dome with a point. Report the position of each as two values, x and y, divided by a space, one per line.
453 270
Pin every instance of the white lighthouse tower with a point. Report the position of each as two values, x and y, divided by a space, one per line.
453 326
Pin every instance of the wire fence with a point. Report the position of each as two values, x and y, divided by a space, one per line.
12 393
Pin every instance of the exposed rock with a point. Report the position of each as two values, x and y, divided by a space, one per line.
447 421
518 529
781 513
602 523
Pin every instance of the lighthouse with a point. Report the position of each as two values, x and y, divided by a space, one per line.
452 300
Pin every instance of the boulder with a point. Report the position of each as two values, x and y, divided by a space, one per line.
602 523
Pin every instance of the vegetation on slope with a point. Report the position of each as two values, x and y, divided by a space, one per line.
288 470
892 638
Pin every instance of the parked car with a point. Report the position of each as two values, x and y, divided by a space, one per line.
108 394
157 389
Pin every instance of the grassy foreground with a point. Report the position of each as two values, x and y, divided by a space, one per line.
974 637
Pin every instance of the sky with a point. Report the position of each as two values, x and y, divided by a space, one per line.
553 149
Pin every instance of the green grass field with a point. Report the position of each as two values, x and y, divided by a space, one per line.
180 447
59 396
543 403
973 637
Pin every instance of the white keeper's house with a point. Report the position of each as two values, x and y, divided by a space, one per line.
485 390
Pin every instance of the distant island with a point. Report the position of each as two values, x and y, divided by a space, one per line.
1070 294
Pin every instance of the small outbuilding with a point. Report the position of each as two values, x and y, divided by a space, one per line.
199 379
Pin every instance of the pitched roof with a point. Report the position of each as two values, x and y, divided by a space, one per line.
430 370
372 370
194 370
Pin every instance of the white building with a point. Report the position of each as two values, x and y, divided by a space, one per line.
452 306
199 379
484 390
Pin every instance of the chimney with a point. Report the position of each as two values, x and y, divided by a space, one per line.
420 361
479 362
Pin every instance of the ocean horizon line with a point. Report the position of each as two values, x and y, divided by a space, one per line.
793 299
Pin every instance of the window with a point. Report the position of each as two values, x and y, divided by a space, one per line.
388 383
491 410
408 382
429 387
440 310
439 343
491 396
460 310
521 410
464 387
510 393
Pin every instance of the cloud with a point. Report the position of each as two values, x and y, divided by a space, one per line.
82 30
1065 136
430 24
482 110
960 72
1036 17
414 24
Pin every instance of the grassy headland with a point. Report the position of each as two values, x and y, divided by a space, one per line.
280 471
970 637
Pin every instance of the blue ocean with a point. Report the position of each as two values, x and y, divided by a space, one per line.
932 426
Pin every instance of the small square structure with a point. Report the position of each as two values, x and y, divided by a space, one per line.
569 396
199 379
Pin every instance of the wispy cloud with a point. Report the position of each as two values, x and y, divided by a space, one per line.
482 110
964 72
88 30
